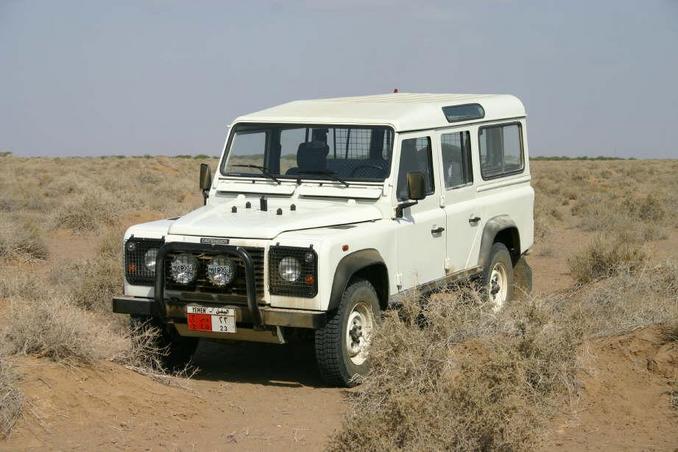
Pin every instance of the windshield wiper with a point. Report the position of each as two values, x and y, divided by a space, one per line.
263 170
331 174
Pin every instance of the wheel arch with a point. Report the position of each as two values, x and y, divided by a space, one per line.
500 229
367 264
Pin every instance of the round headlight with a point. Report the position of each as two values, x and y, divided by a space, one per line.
149 259
184 268
289 269
221 271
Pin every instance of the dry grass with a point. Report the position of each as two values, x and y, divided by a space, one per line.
11 400
606 256
21 239
452 375
54 328
469 379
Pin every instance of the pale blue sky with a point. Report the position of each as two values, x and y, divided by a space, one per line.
166 77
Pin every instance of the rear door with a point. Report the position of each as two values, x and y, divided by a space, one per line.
458 199
420 232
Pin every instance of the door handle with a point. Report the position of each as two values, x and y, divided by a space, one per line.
474 220
437 230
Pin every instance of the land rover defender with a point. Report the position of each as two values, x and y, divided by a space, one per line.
322 213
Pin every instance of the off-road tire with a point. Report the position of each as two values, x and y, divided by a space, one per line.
500 258
176 350
331 351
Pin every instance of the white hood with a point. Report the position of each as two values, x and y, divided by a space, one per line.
219 221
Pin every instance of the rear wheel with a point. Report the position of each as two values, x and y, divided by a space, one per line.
498 277
175 350
342 345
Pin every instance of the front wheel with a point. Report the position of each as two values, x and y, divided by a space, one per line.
342 345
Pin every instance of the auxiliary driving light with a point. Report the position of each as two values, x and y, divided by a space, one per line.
289 269
221 271
184 268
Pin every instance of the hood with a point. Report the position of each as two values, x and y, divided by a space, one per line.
220 221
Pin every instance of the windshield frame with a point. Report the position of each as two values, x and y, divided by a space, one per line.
306 177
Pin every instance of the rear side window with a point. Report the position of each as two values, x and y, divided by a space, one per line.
456 148
415 155
501 150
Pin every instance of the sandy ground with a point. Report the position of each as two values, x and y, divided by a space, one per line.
268 397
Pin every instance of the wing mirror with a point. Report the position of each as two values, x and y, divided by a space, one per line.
205 180
416 186
416 191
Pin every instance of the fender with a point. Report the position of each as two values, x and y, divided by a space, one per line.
492 228
349 266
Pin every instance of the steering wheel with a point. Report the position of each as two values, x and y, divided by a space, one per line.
377 167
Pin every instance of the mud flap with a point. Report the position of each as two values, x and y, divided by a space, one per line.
522 279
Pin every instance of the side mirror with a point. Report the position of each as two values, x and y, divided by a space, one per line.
416 186
416 191
205 180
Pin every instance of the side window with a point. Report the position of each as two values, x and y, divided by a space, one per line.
456 148
415 155
501 150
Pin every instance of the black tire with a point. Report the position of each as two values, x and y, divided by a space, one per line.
500 260
337 368
176 350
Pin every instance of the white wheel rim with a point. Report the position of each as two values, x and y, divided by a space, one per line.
498 286
358 333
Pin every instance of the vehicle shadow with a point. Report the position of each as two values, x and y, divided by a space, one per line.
289 365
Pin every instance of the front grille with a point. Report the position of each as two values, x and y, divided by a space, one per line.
135 269
238 287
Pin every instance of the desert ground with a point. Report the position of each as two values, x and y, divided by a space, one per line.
588 361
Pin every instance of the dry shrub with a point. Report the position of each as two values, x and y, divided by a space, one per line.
626 301
91 284
453 376
21 239
11 400
606 256
87 213
649 208
54 328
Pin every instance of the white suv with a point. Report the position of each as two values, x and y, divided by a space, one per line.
323 212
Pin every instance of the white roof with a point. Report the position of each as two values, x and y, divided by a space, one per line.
402 111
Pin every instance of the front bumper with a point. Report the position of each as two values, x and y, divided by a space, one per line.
293 318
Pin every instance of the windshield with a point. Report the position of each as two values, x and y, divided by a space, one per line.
329 152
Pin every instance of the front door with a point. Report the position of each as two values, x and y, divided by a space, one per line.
420 232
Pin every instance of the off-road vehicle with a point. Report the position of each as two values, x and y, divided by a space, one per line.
322 213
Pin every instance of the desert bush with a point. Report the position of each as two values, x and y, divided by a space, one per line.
54 328
606 256
92 283
11 400
22 239
17 282
450 375
627 301
454 376
87 213
649 208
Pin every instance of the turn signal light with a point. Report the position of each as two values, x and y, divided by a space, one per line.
309 280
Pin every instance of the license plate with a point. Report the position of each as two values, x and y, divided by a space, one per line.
203 318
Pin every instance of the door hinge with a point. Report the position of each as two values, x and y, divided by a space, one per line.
399 280
448 265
